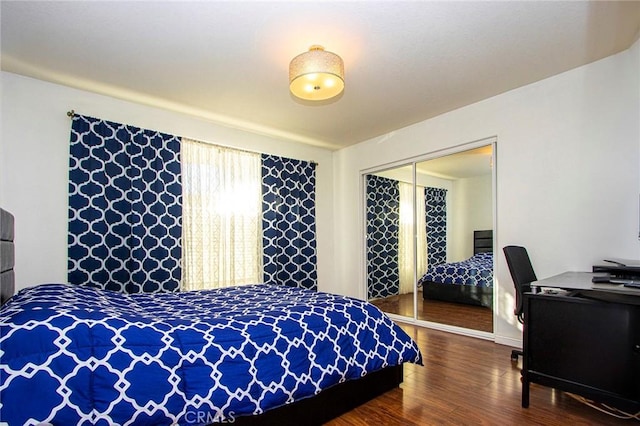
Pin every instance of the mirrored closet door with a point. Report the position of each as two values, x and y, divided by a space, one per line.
429 238
389 240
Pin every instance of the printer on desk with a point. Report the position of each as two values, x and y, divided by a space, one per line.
618 271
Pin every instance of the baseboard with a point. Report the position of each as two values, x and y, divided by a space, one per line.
508 341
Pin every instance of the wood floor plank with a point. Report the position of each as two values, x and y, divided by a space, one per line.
467 381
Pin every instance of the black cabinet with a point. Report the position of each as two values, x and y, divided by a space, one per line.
582 344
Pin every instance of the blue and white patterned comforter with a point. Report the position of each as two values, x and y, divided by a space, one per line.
475 271
80 355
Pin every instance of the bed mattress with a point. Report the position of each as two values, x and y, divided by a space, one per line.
476 271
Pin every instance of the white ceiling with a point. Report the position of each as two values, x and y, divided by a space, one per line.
228 61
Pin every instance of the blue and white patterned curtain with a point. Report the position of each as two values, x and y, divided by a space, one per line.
288 222
383 220
125 207
436 214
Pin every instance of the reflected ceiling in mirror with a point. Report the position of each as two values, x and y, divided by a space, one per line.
461 165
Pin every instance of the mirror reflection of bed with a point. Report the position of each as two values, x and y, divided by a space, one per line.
461 293
453 236
454 293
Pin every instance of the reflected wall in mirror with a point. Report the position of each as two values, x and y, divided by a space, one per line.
455 286
389 228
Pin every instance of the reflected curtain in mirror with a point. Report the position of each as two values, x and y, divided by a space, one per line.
421 231
406 236
436 226
383 218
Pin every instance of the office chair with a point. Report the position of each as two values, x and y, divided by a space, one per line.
523 275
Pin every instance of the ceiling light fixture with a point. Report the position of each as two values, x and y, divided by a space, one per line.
316 75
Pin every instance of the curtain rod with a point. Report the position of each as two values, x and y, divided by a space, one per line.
72 114
238 149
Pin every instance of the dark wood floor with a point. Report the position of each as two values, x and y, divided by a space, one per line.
468 381
459 315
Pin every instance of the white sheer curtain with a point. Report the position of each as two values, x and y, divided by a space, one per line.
421 228
222 216
405 236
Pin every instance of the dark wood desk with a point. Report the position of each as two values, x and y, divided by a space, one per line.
585 340
581 281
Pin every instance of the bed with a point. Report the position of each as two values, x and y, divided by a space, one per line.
469 281
259 354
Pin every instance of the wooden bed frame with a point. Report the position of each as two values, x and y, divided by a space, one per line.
319 409
331 402
466 294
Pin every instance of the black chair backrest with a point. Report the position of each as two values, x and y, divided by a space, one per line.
521 272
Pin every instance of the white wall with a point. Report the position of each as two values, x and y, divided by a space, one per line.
471 209
567 173
34 168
